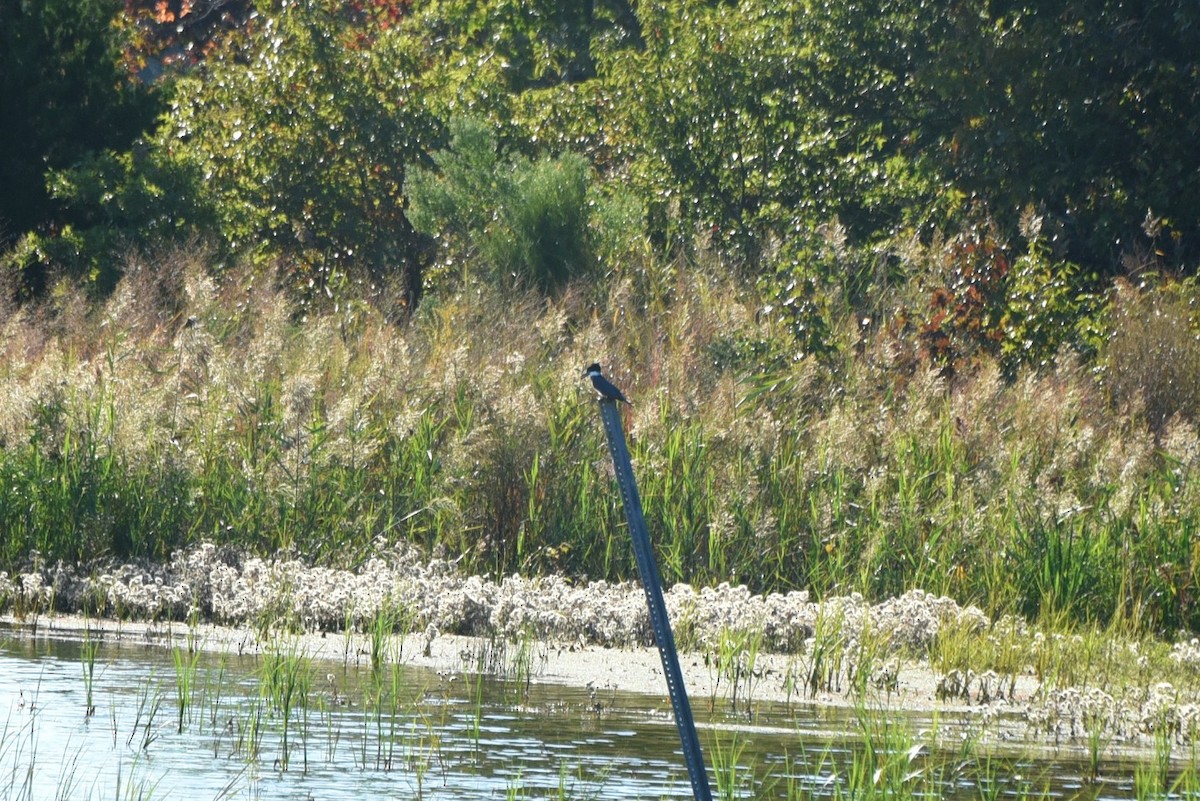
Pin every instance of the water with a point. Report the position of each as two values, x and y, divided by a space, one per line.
405 733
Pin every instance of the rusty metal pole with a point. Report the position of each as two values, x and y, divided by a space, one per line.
661 625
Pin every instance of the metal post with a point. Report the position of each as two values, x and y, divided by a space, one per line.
661 625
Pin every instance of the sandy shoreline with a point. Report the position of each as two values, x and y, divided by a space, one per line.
734 644
635 669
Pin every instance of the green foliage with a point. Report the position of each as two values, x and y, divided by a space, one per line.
1045 308
782 134
304 130
762 122
526 220
806 291
538 43
1075 105
63 100
547 236
617 226
762 119
119 201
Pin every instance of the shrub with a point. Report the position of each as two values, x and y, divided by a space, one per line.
799 294
1045 307
757 120
988 300
528 220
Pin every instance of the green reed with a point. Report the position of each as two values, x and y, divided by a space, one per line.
1152 779
214 693
734 779
888 761
1097 737
186 661
521 664
286 680
87 658
149 701
381 631
733 662
867 667
475 724
250 726
423 745
386 706
823 663
387 629
135 789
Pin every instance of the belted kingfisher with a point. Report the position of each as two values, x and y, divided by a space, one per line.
603 385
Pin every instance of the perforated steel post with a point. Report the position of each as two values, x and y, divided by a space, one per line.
661 625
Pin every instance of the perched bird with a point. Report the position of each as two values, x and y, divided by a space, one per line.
603 385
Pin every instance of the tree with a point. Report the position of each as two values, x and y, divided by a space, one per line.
63 99
1089 109
306 126
762 119
533 44
162 33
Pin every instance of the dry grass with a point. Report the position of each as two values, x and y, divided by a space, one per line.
1152 359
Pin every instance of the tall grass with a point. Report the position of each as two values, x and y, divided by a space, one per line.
141 425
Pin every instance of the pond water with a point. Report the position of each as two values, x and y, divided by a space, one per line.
172 723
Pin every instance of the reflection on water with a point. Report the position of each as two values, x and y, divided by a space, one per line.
170 724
